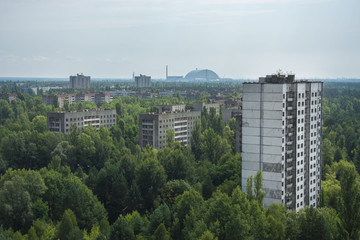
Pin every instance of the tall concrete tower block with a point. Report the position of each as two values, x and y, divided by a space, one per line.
281 135
79 81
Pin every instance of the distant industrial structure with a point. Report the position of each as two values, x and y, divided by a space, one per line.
205 75
80 81
281 135
62 121
142 81
172 78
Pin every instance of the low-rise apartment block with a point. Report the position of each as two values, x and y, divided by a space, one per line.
153 126
97 98
62 121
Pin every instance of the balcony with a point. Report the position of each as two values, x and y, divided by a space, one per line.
289 117
289 151
290 185
289 126
289 169
290 99
289 177
290 108
289 160
289 143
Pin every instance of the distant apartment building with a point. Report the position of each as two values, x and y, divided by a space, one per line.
199 106
153 126
281 135
142 81
12 97
62 121
97 98
80 81
229 113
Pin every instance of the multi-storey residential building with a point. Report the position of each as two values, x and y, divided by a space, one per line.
142 81
281 135
80 81
199 106
61 121
97 98
153 127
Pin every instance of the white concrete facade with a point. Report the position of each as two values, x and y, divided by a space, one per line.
281 135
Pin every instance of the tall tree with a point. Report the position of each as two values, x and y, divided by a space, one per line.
259 194
196 139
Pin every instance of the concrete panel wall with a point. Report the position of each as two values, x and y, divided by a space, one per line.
301 87
316 87
271 167
250 131
272 106
243 184
251 105
250 157
272 193
251 88
272 141
272 158
273 115
272 123
272 184
275 88
247 173
247 122
251 140
250 148
247 165
272 176
271 132
271 149
251 97
273 97
251 114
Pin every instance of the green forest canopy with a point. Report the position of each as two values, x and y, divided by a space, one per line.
100 185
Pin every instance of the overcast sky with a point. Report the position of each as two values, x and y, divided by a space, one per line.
234 38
